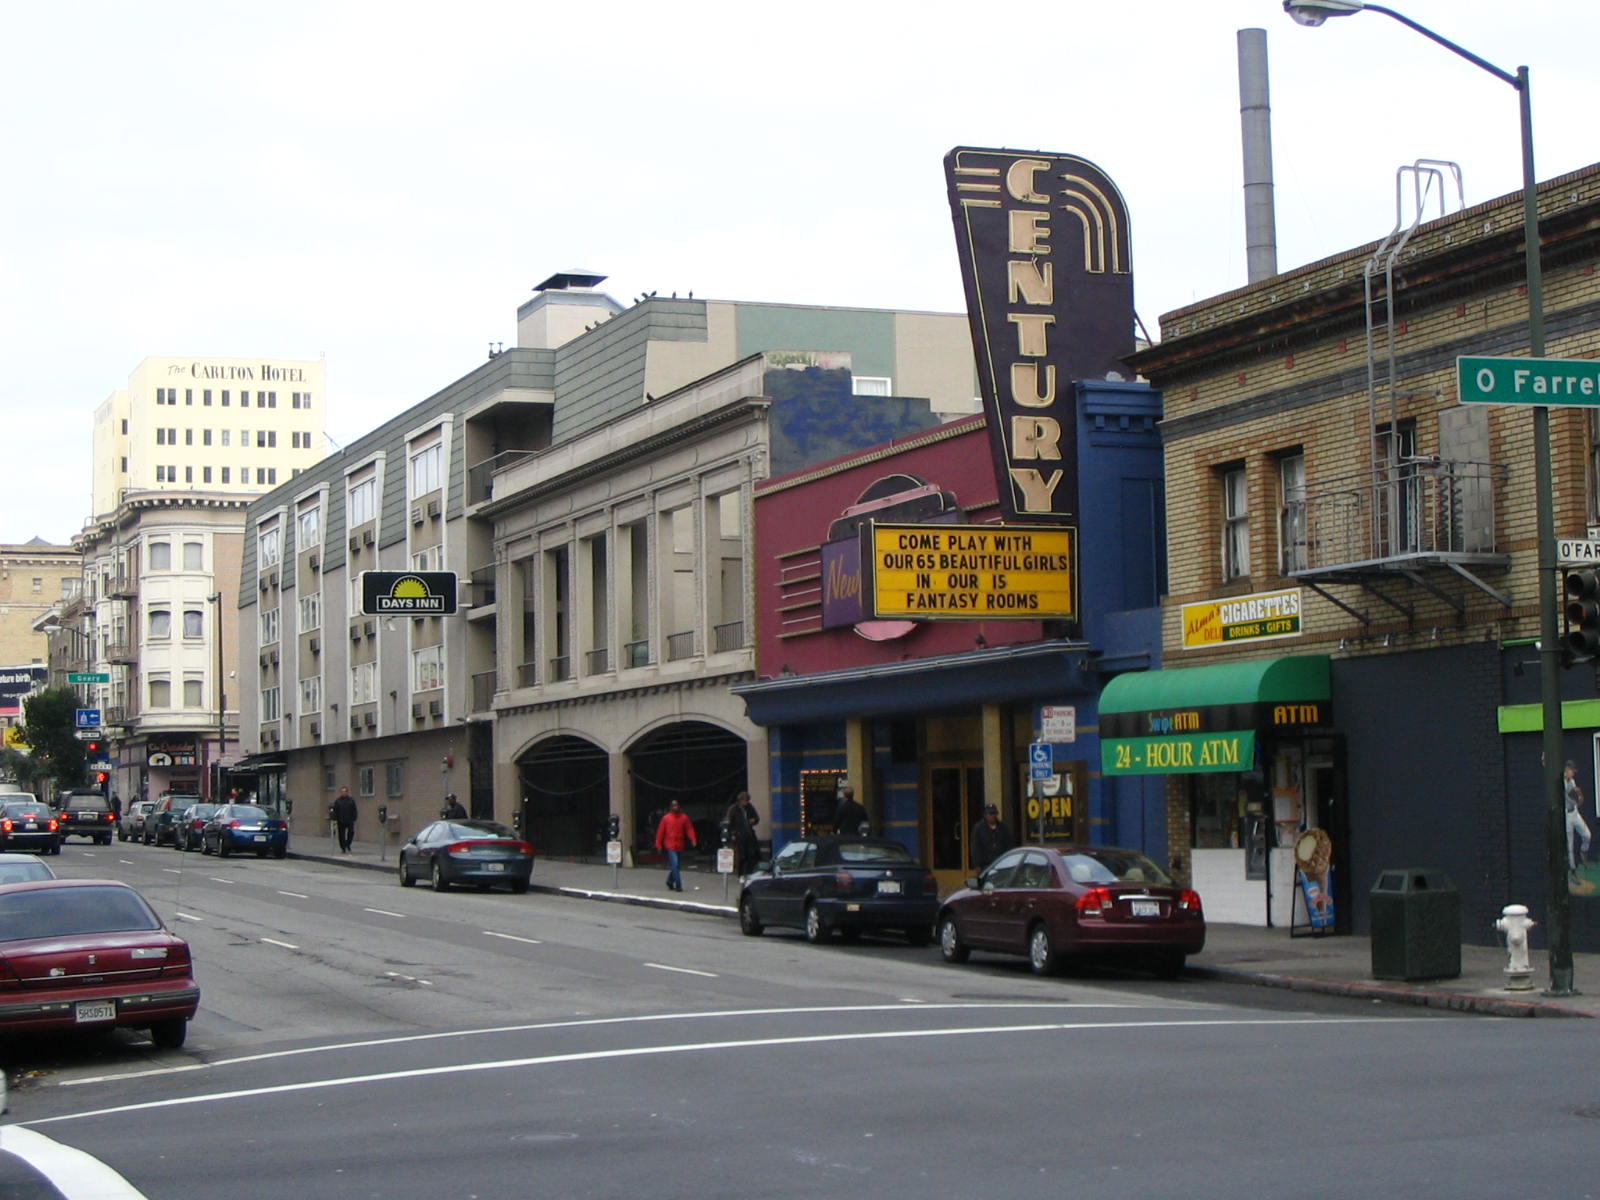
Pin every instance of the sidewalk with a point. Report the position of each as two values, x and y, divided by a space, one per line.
1243 953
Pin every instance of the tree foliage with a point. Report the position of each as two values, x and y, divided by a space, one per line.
49 720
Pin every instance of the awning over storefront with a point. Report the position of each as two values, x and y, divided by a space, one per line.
1196 719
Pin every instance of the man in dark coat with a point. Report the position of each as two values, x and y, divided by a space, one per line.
344 817
991 838
742 821
850 816
452 808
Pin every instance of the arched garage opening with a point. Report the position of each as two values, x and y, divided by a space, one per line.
565 791
693 762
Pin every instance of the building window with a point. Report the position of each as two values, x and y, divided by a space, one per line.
188 395
194 692
188 474
161 556
311 694
38 583
269 626
205 474
426 470
205 437
161 473
1235 524
363 683
270 710
427 668
244 399
160 623
226 434
225 470
364 778
268 548
394 778
362 505
872 385
161 436
160 691
310 612
429 558
205 397
309 530
188 437
1292 513
224 397
194 623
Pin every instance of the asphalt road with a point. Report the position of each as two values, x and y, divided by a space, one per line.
359 1039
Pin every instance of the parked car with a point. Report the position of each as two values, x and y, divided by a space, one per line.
84 812
482 853
1053 903
186 829
160 822
848 882
131 827
19 868
244 827
91 954
29 825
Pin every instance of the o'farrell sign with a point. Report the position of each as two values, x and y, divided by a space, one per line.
973 572
1256 618
1043 240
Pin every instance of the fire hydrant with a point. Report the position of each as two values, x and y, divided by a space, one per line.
1514 922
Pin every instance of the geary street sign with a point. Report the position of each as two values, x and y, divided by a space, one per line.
1528 380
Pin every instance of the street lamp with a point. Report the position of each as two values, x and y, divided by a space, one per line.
1315 12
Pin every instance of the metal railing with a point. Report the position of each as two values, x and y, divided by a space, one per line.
728 636
480 477
483 686
121 652
1421 508
483 585
636 654
527 674
560 668
680 646
596 661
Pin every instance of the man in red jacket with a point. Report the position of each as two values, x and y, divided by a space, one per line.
674 835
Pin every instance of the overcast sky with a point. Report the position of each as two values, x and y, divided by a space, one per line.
382 184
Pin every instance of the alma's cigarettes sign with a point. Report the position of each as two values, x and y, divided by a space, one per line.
1256 618
973 572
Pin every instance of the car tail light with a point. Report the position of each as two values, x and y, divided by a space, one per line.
459 848
111 816
178 958
843 881
930 885
233 824
53 825
1095 901
5 825
1189 901
524 848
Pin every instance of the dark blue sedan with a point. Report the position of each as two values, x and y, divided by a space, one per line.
247 829
847 883
476 853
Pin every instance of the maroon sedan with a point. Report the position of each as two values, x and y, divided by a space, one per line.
91 954
1053 903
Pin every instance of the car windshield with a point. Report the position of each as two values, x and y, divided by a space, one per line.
1096 865
872 852
21 872
26 811
247 812
78 800
69 911
480 831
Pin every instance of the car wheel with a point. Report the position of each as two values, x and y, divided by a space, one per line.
918 935
817 930
440 883
122 835
951 947
261 853
284 853
169 1035
749 924
222 847
204 848
519 887
1041 950
105 839
406 878
1168 965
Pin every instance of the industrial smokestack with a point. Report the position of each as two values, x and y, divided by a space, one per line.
1255 122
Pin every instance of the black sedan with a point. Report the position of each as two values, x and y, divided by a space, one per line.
245 829
1055 903
849 883
482 853
187 828
29 826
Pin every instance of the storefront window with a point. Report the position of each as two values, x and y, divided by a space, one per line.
1214 801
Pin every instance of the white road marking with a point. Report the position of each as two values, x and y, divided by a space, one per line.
172 870
682 970
383 912
511 937
230 882
579 1023
543 1060
276 942
76 1175
190 917
408 978
127 861
296 895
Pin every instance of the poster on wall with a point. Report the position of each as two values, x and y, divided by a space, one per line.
1313 870
1583 874
819 798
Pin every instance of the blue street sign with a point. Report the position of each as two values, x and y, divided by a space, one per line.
1040 760
88 718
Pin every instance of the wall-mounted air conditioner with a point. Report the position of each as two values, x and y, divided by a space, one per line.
371 629
316 729
416 712
315 562
416 514
366 537
316 645
355 542
371 720
355 633
433 508
436 708
355 724
273 655
263 583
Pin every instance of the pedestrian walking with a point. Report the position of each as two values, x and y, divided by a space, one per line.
675 834
344 818
742 820
850 816
1577 855
991 837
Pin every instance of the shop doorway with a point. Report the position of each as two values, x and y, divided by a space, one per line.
955 803
566 787
700 765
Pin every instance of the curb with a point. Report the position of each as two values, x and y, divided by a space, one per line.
1490 1006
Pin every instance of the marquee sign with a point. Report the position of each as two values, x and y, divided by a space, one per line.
973 572
1043 241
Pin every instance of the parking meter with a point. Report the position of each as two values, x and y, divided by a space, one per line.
383 814
614 827
725 833
330 814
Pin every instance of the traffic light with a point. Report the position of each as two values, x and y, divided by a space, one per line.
1583 613
92 749
100 777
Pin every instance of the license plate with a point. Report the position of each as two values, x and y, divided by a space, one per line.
261 837
494 866
94 1010
1144 908
888 887
30 825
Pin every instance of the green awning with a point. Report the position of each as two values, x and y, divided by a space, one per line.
1529 718
1198 719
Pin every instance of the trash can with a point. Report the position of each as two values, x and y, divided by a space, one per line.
1416 925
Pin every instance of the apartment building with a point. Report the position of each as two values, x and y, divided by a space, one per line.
589 489
1349 636
34 577
235 426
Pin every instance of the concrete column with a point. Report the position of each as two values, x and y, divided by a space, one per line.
858 766
621 799
996 765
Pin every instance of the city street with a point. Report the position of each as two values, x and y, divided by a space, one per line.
356 1038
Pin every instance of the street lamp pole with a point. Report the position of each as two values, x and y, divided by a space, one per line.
1558 922
222 702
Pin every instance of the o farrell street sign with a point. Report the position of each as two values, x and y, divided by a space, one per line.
408 593
1528 380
